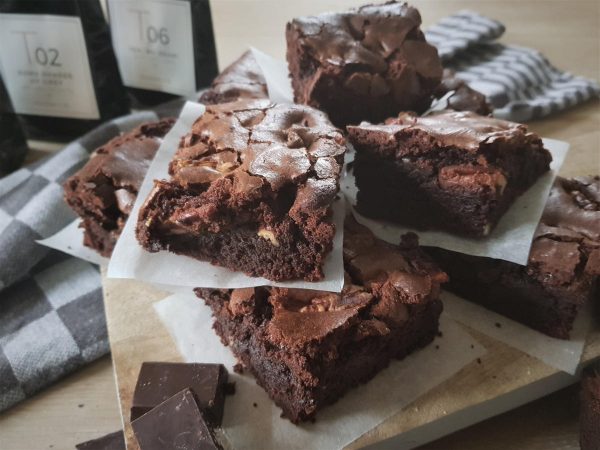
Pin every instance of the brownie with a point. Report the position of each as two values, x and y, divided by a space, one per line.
157 381
589 414
453 171
112 441
103 191
175 424
461 97
242 79
307 348
369 63
251 189
563 268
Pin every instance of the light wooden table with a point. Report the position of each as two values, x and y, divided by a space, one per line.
84 405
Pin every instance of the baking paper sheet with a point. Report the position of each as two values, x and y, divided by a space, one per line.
187 318
70 240
510 240
130 260
558 353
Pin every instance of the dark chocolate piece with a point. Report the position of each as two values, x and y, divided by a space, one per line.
463 97
455 171
103 191
175 424
589 415
369 63
251 189
242 79
158 381
307 348
112 441
563 269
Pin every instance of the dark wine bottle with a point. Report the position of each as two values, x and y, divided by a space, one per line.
59 67
13 146
165 48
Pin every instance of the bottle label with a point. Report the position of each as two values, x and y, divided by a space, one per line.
153 41
45 66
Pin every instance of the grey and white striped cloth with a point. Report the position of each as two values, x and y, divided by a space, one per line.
520 83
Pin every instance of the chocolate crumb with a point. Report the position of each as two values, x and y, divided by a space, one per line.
478 360
255 405
81 405
437 347
440 334
498 325
472 346
238 368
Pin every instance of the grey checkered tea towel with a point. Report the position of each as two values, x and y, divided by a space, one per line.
51 310
520 83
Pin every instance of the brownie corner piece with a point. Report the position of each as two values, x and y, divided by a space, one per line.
368 63
562 273
308 348
455 171
104 190
252 189
242 79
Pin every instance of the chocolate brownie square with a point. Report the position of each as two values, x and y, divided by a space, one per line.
453 171
103 191
251 189
369 63
589 414
307 348
562 272
242 79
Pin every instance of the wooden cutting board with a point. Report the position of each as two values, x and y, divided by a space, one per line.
502 379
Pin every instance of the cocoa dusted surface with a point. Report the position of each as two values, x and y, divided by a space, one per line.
242 79
308 348
454 171
103 191
251 189
563 269
369 63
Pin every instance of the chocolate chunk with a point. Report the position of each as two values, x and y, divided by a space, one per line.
175 424
112 441
158 381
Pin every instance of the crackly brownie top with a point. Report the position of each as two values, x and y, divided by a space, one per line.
257 144
567 241
379 39
242 79
124 161
382 281
463 130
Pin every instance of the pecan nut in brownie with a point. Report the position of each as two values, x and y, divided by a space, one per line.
563 269
103 191
369 63
242 79
455 171
251 189
308 348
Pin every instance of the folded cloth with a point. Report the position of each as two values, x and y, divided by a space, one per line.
51 310
520 83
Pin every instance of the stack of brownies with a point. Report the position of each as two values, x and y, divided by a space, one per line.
252 185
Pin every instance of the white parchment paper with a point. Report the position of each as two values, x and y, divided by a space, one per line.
70 240
130 260
558 353
510 240
188 320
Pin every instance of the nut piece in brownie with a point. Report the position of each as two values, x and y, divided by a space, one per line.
103 191
242 79
307 348
589 413
563 269
251 189
462 97
455 171
369 63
